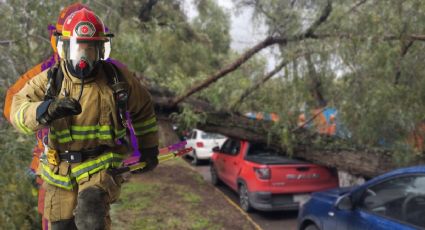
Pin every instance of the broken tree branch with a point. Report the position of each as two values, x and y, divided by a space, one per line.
405 45
316 83
230 68
271 40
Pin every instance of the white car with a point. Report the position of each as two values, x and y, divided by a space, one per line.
202 144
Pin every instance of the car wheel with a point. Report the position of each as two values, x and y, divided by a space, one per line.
311 227
244 198
214 177
195 160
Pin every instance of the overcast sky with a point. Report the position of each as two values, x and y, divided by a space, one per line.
244 32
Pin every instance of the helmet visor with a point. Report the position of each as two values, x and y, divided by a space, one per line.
93 50
106 49
83 50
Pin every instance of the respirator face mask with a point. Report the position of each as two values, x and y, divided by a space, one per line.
82 56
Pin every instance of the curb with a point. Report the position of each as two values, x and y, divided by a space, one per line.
238 208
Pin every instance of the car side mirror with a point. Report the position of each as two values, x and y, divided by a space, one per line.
345 202
216 149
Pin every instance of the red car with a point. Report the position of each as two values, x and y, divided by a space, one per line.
265 179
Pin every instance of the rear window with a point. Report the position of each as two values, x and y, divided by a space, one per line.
256 149
211 136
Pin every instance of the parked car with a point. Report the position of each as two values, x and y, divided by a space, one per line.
265 179
395 200
202 143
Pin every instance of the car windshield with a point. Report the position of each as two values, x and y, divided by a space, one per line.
211 136
256 149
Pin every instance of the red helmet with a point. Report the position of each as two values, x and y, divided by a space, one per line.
84 25
66 12
83 42
61 19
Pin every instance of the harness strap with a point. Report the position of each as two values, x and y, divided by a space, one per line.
120 88
79 156
54 83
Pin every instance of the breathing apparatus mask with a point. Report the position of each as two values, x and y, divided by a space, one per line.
83 42
82 57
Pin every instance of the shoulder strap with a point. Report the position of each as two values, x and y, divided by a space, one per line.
120 88
54 82
113 73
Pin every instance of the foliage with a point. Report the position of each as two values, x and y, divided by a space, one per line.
188 119
18 207
171 50
25 42
356 66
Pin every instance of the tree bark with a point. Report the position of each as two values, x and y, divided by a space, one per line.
167 136
316 84
367 163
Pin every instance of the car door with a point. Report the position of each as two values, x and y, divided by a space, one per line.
233 162
220 162
397 203
191 140
227 162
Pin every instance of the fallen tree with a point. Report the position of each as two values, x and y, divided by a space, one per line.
357 161
361 162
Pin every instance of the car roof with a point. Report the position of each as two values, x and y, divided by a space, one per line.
407 170
420 169
198 130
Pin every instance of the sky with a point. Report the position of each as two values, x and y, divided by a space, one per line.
244 31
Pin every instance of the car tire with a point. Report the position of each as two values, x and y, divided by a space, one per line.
214 177
311 227
195 160
244 198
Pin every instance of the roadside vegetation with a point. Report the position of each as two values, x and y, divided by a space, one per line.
18 205
174 196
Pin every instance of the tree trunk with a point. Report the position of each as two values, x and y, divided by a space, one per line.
167 136
367 163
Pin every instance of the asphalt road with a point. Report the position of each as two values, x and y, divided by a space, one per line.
282 220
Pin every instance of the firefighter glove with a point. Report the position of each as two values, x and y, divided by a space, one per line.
150 156
58 108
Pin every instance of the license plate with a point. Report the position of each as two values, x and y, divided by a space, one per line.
301 198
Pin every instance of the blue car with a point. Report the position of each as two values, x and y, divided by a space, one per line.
395 200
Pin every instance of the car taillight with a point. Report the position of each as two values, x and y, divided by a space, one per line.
199 144
262 173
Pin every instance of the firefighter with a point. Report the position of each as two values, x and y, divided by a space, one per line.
86 117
